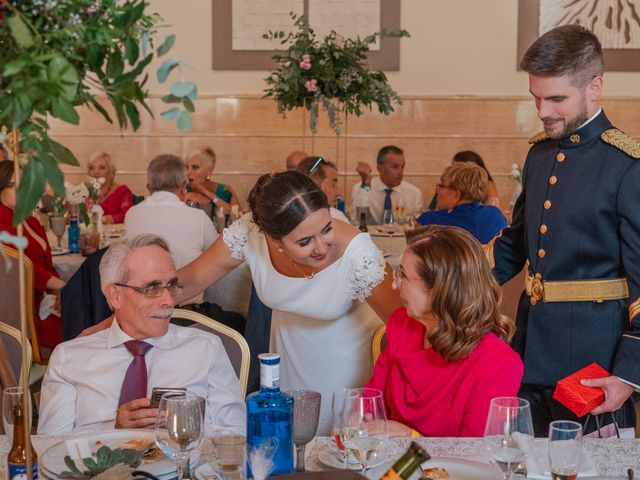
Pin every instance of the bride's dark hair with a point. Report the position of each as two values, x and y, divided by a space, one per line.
280 201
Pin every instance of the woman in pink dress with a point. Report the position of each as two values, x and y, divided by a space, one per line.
446 354
115 199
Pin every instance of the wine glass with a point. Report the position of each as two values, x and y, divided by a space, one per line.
398 210
306 412
565 446
367 425
179 428
508 434
58 227
340 424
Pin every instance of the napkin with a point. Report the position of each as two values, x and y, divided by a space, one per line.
538 462
48 306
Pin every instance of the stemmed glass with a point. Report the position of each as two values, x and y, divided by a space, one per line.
58 227
508 434
367 425
306 412
398 210
339 410
179 428
565 446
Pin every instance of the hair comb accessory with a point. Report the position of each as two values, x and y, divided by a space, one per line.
315 165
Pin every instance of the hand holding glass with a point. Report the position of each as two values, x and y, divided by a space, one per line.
565 447
179 428
508 434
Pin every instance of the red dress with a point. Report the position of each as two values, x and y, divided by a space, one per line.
436 398
49 329
117 203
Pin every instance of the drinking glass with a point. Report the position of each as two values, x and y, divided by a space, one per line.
12 396
58 227
339 412
398 210
230 452
565 447
179 428
306 412
508 434
367 425
387 219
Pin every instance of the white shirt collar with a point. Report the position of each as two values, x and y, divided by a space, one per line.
594 116
116 337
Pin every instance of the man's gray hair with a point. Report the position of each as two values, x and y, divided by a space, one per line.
113 266
166 173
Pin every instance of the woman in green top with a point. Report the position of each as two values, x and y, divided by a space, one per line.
203 191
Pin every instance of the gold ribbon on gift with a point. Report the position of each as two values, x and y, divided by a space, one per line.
599 290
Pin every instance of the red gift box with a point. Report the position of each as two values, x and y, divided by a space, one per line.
575 396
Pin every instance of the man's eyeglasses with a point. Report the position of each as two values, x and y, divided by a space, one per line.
315 165
155 289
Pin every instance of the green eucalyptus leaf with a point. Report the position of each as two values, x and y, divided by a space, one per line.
171 99
133 114
183 122
13 67
20 31
62 153
54 176
132 50
182 89
89 462
166 45
193 94
61 71
171 114
30 190
71 464
188 104
64 110
165 69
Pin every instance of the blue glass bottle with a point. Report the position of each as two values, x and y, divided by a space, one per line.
74 235
270 415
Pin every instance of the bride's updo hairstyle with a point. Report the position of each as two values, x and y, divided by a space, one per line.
280 201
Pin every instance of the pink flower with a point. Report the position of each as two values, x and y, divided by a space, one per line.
305 63
311 85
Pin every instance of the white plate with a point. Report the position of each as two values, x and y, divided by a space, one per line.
56 252
52 460
331 459
463 469
205 472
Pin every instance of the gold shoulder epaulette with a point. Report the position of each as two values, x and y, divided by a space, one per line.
622 141
538 137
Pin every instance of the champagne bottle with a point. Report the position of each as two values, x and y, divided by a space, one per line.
17 458
407 463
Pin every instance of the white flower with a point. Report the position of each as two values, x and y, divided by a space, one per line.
516 173
76 194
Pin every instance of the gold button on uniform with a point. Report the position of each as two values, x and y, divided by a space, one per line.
547 204
575 138
553 180
543 229
560 157
541 253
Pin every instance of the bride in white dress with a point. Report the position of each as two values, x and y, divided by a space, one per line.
327 283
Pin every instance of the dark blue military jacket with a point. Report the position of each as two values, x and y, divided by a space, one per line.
578 218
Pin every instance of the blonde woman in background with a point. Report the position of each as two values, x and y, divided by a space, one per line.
115 199
201 189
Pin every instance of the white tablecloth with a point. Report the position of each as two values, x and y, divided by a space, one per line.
611 456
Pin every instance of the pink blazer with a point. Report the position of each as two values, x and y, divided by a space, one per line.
436 398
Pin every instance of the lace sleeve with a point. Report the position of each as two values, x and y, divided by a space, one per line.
236 236
366 272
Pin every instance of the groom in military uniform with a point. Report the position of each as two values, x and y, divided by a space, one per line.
576 226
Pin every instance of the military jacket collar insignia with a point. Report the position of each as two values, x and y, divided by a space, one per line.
589 132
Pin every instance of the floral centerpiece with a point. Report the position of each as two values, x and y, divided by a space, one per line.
332 72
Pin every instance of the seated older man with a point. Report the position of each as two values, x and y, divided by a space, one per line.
104 380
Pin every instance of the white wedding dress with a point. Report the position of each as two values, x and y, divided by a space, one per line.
321 327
